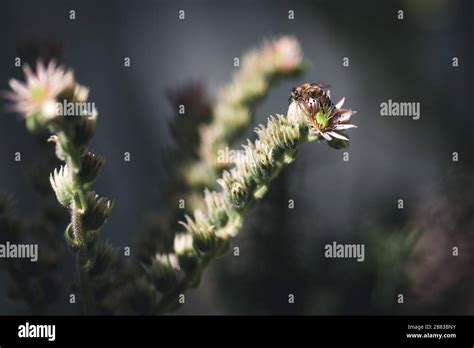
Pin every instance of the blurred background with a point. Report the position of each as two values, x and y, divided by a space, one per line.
408 251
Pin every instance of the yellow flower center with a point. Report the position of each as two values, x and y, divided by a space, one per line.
323 119
37 93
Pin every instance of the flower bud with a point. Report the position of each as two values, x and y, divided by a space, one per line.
62 184
235 187
81 94
84 129
98 209
204 238
283 133
162 271
216 207
184 249
90 166
238 194
260 160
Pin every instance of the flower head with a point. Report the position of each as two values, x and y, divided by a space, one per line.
284 54
41 90
312 105
328 122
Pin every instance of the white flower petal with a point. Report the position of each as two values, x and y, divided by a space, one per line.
326 135
346 116
344 126
338 136
41 71
18 87
340 103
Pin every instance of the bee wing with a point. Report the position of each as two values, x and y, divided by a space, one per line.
321 85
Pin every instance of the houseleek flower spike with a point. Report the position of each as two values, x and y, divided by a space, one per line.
310 115
41 100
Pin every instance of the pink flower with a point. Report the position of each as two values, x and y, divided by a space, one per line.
41 90
284 54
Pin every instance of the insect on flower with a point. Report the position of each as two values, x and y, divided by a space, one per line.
326 118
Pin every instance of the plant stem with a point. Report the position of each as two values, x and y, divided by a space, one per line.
79 206
87 298
82 259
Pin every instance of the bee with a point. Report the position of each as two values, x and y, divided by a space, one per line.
325 118
312 97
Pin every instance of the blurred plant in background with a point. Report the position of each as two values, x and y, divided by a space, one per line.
440 268
37 284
